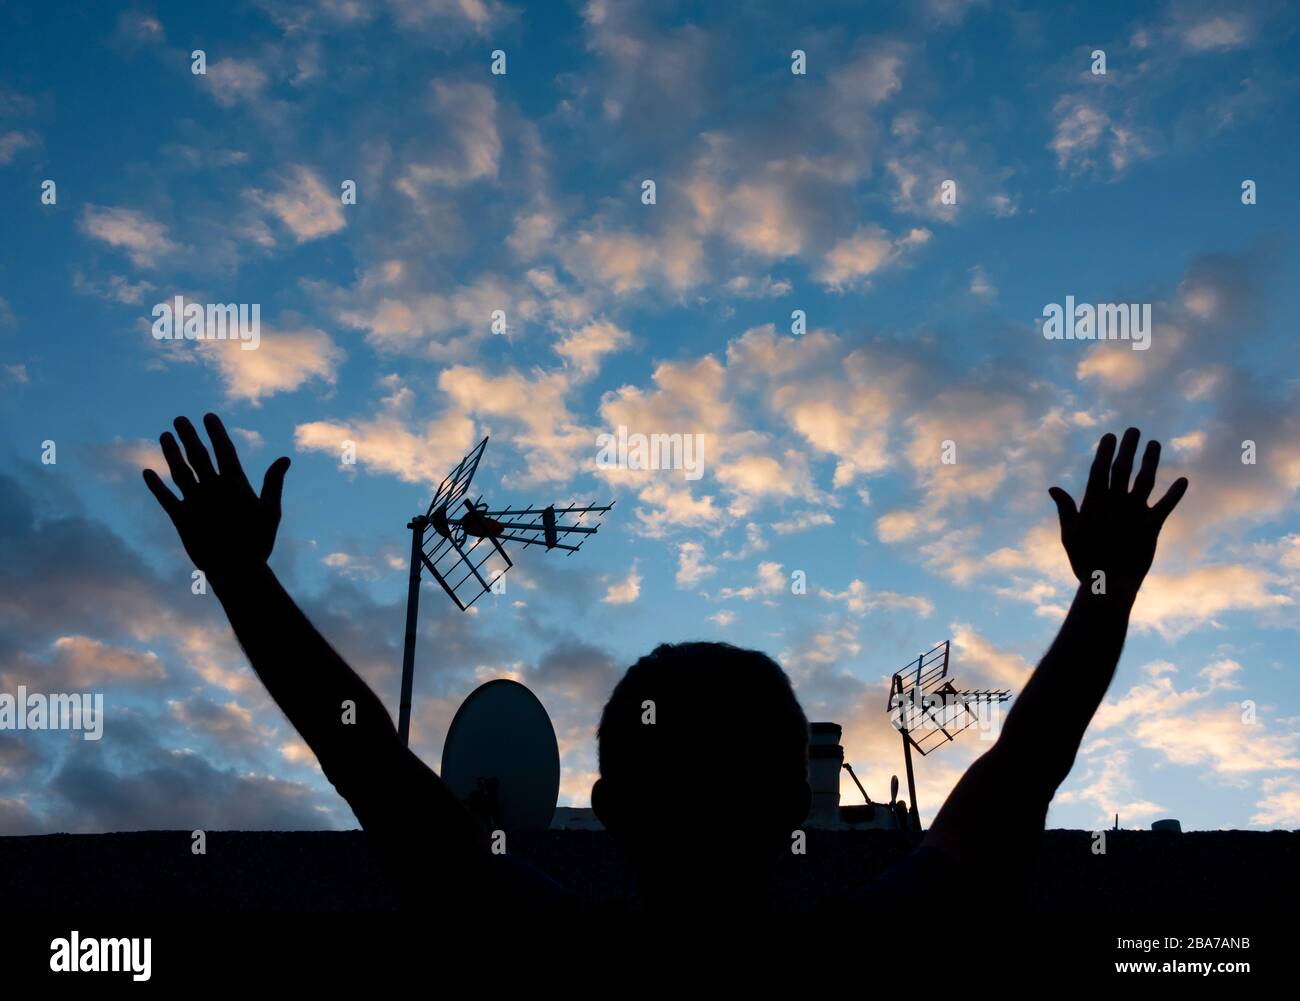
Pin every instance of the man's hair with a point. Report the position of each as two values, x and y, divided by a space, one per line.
709 700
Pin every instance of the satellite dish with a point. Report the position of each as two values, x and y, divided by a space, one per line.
501 758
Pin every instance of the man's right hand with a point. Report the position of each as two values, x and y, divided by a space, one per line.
1113 530
224 526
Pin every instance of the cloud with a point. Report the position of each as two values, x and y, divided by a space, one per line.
967 440
553 443
364 566
950 12
1085 136
1196 728
687 397
586 347
897 526
669 506
577 671
765 287
385 444
400 316
12 142
652 75
980 286
17 818
467 114
1114 366
1110 785
231 81
480 16
115 288
986 663
1280 807
143 239
870 79
839 400
940 171
229 723
754 477
82 662
1218 739
858 598
802 522
136 28
534 231
626 262
179 790
735 184
771 580
304 205
868 250
625 591
283 361
691 565
1219 31
1173 604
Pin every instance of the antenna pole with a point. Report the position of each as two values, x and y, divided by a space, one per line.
417 526
911 782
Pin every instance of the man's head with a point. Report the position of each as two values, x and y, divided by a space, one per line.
703 762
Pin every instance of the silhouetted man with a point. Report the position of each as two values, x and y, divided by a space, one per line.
696 848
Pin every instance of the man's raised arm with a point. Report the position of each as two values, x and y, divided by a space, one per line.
228 532
998 808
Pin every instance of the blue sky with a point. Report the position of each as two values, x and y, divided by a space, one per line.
775 192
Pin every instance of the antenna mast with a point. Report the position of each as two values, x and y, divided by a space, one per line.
929 711
464 552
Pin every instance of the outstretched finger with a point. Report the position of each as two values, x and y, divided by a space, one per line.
1124 461
224 449
1146 477
273 484
169 501
1065 508
194 450
182 475
1170 500
1099 474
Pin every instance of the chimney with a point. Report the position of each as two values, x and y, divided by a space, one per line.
825 759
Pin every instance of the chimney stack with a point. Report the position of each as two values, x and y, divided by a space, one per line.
825 760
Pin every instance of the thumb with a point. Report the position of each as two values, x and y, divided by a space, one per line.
273 484
1064 505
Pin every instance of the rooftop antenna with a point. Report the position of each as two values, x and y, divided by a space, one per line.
929 711
464 552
